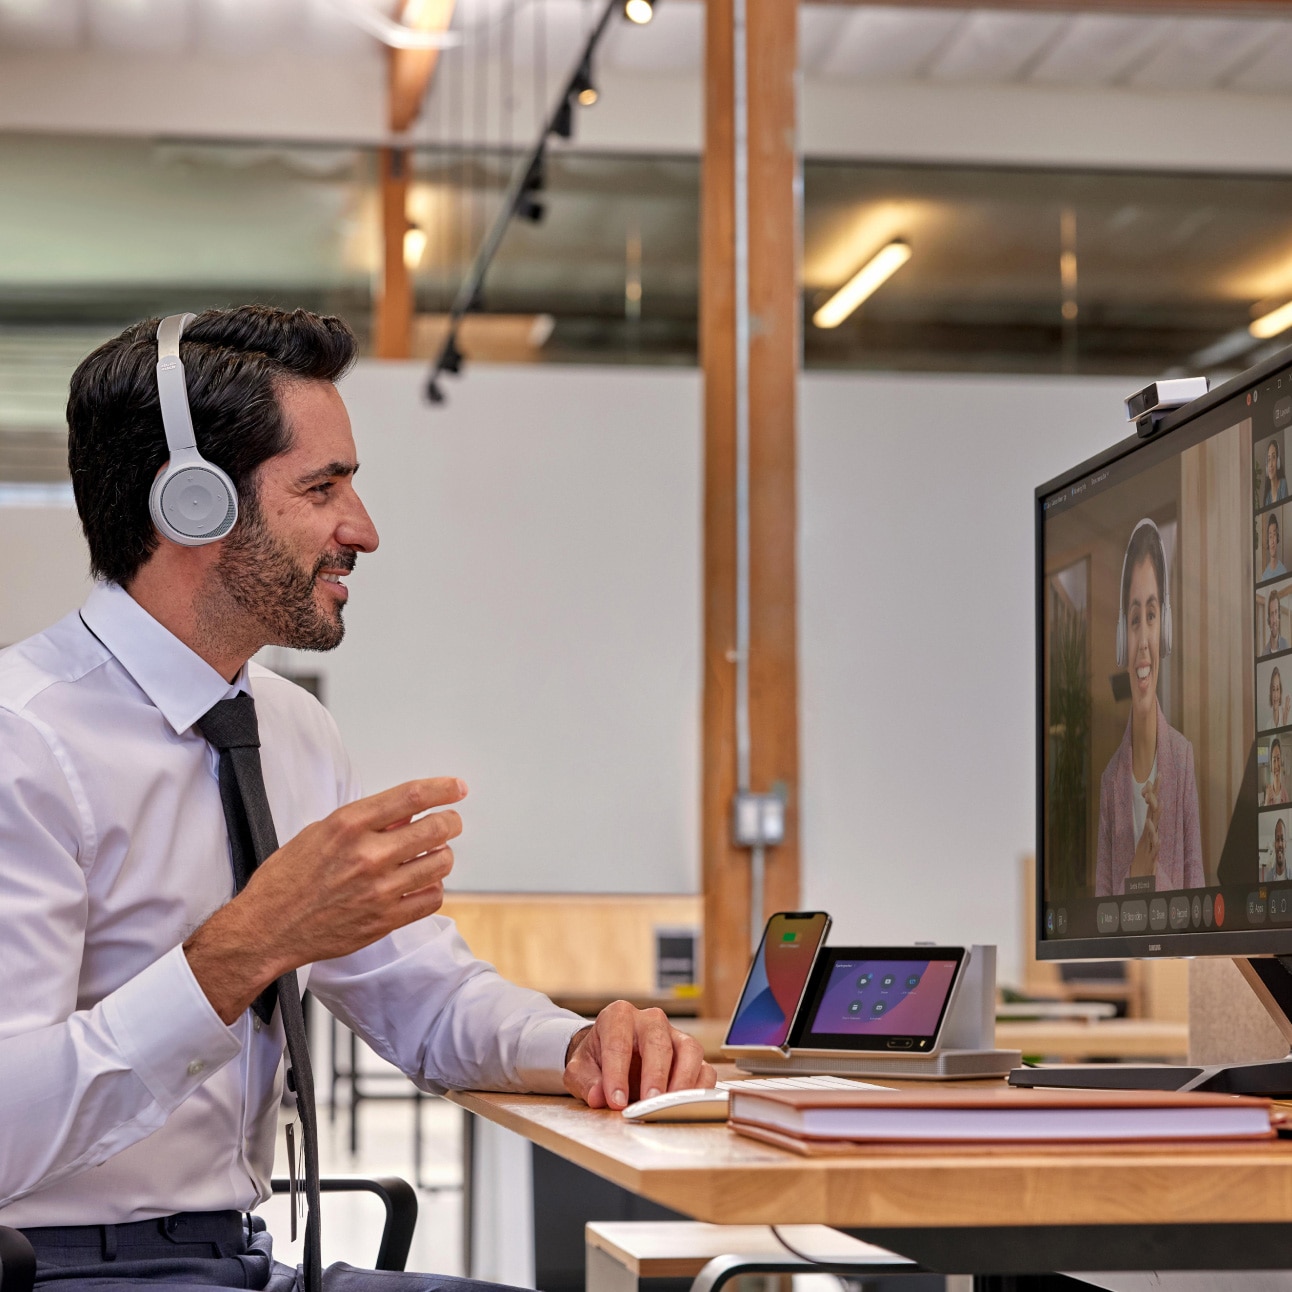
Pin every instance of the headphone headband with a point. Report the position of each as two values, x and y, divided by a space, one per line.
192 501
1164 591
172 389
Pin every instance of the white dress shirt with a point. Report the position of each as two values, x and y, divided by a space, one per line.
122 1094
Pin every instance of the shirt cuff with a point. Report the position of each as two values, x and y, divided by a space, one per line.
541 1061
169 1034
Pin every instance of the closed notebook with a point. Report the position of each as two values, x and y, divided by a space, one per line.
1002 1114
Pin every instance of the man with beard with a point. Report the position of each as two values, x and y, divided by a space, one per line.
148 993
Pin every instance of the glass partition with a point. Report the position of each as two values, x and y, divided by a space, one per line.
1011 270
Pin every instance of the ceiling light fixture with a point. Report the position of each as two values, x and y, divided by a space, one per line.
865 282
397 35
521 198
639 11
530 209
528 205
584 90
1273 323
563 122
414 246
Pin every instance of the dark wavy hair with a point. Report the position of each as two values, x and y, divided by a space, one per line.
234 361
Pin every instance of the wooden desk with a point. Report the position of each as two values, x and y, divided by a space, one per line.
954 1210
1113 1038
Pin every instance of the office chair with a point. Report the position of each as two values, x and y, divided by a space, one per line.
18 1261
401 1212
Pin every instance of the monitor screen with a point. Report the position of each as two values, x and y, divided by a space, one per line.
1165 686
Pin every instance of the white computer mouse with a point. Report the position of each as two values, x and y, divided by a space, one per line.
703 1104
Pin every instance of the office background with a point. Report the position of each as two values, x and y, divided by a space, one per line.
532 621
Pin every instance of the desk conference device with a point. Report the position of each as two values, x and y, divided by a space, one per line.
888 1012
1164 709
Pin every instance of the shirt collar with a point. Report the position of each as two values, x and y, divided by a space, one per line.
176 679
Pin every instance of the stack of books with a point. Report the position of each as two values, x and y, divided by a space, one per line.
839 1121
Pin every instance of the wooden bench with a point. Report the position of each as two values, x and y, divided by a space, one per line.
622 1253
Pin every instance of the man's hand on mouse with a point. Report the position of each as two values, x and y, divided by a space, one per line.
630 1054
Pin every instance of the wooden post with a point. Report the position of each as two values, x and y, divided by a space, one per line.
774 350
409 73
393 337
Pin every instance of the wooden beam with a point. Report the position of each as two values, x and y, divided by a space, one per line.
410 70
774 303
409 74
393 330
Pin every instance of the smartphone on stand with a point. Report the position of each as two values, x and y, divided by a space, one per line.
777 980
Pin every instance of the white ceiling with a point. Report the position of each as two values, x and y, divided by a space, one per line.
905 42
838 42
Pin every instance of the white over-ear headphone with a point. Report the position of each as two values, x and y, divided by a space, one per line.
1166 596
192 501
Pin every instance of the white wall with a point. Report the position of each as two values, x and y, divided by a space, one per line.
531 622
46 568
916 639
322 96
1044 125
287 95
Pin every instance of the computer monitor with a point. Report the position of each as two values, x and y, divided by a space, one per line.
1164 687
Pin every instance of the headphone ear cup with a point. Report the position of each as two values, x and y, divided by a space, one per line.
1166 627
1121 641
193 503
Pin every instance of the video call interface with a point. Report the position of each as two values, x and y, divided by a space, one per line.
883 998
1167 682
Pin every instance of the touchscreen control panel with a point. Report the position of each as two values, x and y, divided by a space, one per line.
876 999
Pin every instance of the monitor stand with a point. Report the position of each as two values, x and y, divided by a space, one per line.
1269 977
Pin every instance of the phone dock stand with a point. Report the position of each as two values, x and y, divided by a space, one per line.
966 1048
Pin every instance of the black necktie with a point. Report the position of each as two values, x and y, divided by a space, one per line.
232 728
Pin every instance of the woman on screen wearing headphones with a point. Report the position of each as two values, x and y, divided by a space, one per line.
1148 794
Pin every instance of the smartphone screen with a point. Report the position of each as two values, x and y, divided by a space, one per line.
777 978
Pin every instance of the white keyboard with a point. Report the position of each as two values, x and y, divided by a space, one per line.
798 1083
709 1104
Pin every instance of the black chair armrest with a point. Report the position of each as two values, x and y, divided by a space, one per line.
401 1212
17 1261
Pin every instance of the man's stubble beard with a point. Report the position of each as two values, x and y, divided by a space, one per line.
259 575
